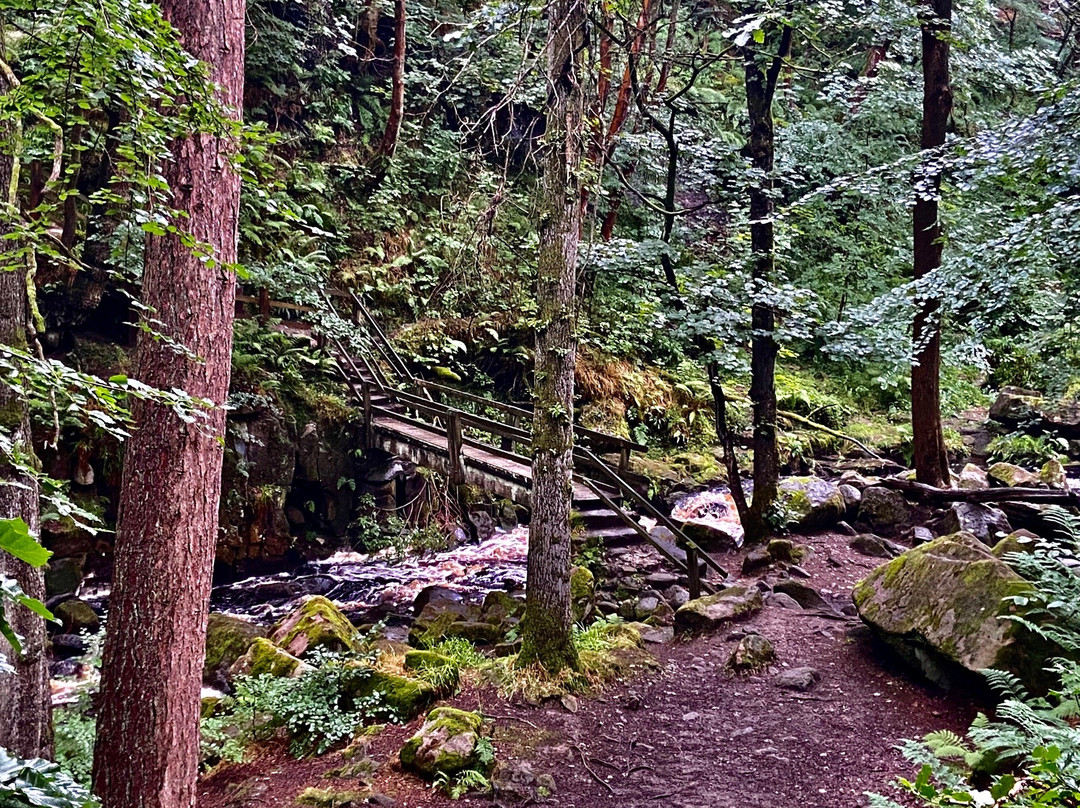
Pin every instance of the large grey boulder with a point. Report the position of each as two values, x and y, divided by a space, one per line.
982 521
714 611
883 509
940 606
811 502
1015 405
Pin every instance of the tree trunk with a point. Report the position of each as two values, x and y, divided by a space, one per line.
146 755
25 698
930 456
547 636
388 145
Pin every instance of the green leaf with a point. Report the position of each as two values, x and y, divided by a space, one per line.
15 538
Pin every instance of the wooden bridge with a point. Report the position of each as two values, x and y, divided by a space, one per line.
480 441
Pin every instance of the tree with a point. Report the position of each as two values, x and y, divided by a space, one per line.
547 634
928 439
146 752
25 697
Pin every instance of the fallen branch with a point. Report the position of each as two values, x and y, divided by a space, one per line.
595 776
928 492
799 419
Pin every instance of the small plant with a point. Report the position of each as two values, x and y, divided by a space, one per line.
39 783
1026 450
458 785
74 731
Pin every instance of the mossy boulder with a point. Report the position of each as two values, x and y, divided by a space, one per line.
501 606
263 658
753 652
446 744
63 575
883 509
1016 405
940 606
714 611
227 638
582 592
407 697
317 623
433 622
77 615
1012 476
332 798
1019 541
1052 475
439 667
811 503
972 478
785 551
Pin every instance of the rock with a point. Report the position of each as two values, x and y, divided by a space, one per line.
660 635
939 604
801 679
582 593
920 534
752 653
785 551
1019 541
263 658
501 606
811 502
804 594
446 744
973 478
1015 405
982 521
77 615
654 610
1052 475
227 639
796 571
713 611
856 480
477 632
710 538
406 696
513 782
68 646
317 623
783 601
332 798
1012 476
852 496
63 576
868 544
661 579
441 597
483 523
676 596
883 508
757 559
844 529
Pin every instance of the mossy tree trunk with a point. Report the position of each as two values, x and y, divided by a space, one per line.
147 749
928 438
761 75
547 633
25 712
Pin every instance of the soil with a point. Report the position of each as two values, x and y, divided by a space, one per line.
689 734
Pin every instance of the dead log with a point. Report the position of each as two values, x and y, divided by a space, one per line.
928 492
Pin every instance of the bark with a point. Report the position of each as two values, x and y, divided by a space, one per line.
547 636
25 699
146 755
760 147
388 145
930 455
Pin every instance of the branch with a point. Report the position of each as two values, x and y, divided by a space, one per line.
929 492
799 419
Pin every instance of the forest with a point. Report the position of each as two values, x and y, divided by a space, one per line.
609 403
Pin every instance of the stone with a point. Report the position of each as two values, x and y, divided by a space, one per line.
77 615
752 653
660 635
810 502
714 611
63 576
852 496
263 658
676 596
317 623
333 798
757 559
501 606
920 534
939 605
1019 541
973 478
844 529
783 601
1052 475
1015 405
803 594
800 679
514 782
582 593
1012 476
883 508
445 744
483 524
437 596
227 639
406 696
982 521
661 579
785 551
868 544
68 646
710 538
796 571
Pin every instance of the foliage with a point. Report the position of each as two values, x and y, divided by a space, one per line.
15 540
1027 450
41 784
470 780
74 730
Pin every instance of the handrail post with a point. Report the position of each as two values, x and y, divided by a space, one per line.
624 458
264 305
453 446
368 428
507 442
693 573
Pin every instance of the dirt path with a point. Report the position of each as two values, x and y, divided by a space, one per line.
692 735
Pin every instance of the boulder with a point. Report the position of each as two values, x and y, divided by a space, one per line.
1019 541
714 611
1052 475
446 744
711 538
263 658
803 594
973 478
982 521
783 601
757 559
852 496
77 615
785 551
676 596
939 605
1012 476
500 607
884 509
63 576
405 696
811 503
312 797
317 623
1015 405
227 639
800 679
752 653
441 597
868 544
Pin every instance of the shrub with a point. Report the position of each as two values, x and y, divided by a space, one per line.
39 783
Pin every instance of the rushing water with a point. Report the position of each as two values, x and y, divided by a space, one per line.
714 507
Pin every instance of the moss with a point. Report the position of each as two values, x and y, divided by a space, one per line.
329 798
430 632
711 611
208 706
445 744
227 638
547 641
318 623
787 552
77 615
405 696
265 658
443 670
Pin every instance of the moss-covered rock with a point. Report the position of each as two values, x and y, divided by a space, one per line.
407 697
1019 541
317 623
332 798
1016 405
753 652
883 509
263 658
445 744
940 605
500 606
582 592
227 638
441 670
714 611
1052 475
810 502
77 615
710 538
972 478
1011 475
785 551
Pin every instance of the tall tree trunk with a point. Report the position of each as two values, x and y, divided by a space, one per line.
146 755
760 147
930 455
25 711
388 144
547 636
